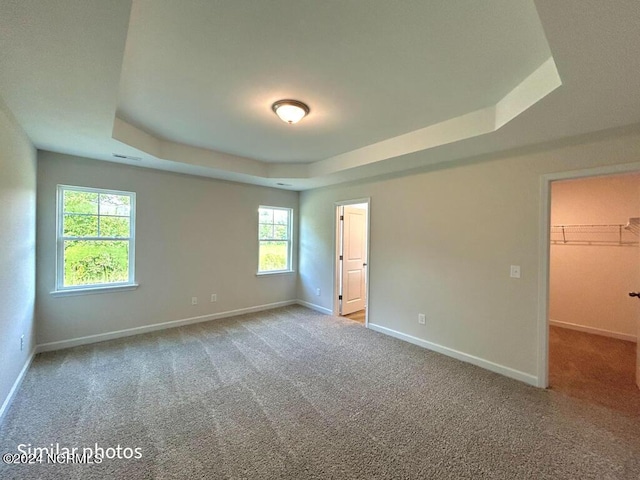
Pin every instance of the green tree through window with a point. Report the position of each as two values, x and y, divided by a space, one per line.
95 237
274 238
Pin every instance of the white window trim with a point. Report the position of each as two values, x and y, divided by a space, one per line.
130 284
290 241
275 272
101 288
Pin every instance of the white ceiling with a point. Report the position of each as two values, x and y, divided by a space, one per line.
187 86
206 73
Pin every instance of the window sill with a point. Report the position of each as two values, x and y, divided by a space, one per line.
94 290
278 272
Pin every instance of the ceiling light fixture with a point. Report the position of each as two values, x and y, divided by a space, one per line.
290 111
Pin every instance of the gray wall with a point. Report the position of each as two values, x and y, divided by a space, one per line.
17 249
194 237
442 242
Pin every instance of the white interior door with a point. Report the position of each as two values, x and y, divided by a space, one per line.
354 255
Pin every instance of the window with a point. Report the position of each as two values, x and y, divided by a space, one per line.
95 238
274 238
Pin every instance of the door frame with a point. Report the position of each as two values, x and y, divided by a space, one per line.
336 256
545 252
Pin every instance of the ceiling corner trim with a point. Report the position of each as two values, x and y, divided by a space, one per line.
126 133
452 130
161 149
203 157
283 171
540 83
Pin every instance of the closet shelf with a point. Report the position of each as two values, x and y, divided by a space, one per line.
612 234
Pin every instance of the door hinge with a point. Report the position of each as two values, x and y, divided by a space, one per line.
341 217
339 297
340 257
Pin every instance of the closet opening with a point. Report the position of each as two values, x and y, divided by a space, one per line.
594 266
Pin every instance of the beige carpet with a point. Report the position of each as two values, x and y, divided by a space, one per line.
293 394
598 369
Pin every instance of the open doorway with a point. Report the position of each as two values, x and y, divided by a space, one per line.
351 292
594 262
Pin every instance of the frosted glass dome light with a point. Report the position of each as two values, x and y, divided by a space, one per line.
290 111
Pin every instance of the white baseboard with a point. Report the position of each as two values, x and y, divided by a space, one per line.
477 361
315 307
101 337
593 330
16 385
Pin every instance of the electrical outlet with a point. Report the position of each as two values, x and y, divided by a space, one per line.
317 291
214 297
21 342
194 300
422 319
515 271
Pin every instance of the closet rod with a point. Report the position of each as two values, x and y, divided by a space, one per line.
620 230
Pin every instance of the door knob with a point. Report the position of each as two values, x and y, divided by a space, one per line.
634 294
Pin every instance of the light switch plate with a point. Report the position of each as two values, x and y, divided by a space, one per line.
515 271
